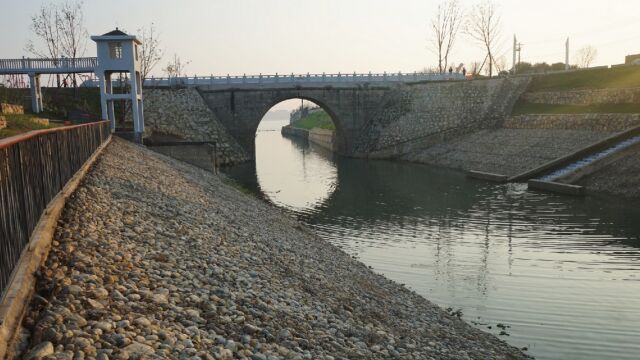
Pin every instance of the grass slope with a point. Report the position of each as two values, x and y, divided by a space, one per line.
21 123
615 78
318 119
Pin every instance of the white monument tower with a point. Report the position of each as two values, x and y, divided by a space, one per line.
118 53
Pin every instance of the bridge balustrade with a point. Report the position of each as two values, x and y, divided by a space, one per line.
266 79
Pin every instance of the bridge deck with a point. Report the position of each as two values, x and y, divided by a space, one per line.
47 66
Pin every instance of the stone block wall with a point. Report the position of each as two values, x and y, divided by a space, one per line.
202 156
585 97
593 122
324 138
421 115
183 114
295 132
3 122
11 109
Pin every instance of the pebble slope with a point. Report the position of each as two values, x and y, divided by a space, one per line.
154 258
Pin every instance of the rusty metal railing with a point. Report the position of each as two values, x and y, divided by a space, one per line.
34 167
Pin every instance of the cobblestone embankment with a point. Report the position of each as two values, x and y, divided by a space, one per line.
155 258
506 151
620 178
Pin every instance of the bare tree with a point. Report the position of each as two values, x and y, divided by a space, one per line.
150 53
483 26
445 26
475 67
586 55
44 25
73 33
61 28
176 67
71 26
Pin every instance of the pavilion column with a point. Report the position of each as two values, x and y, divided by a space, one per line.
36 93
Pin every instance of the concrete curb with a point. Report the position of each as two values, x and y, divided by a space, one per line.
576 155
22 285
556 187
480 175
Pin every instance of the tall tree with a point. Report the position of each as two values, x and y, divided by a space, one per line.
483 26
585 56
445 25
73 33
151 52
44 25
61 28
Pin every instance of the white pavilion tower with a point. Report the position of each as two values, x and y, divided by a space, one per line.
118 52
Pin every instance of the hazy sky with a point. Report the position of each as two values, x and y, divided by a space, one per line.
268 36
253 36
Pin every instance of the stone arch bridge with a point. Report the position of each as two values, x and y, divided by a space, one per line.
241 110
377 116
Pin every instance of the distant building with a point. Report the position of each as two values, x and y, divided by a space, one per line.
632 59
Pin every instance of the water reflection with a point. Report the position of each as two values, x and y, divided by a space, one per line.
561 272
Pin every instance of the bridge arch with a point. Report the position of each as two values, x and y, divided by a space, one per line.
334 117
241 110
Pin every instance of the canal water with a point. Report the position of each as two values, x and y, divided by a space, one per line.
557 275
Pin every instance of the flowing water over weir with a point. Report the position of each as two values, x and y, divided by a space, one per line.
558 275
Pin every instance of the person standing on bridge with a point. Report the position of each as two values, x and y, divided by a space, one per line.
450 70
464 72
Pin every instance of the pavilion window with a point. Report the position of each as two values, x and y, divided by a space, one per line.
115 50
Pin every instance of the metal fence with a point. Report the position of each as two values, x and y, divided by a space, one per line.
34 167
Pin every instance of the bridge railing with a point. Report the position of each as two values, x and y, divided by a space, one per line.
34 167
298 79
292 79
28 65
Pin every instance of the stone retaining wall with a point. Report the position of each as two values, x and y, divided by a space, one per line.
593 122
585 97
324 138
182 113
41 121
11 109
321 137
420 115
295 132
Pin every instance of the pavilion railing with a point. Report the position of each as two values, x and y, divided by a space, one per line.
34 167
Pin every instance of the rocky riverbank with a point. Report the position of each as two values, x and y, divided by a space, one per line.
506 151
154 258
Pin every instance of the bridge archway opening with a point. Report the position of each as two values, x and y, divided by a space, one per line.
287 166
300 112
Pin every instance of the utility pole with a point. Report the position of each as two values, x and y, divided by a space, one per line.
566 61
519 48
515 42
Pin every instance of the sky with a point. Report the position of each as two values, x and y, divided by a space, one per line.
238 37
